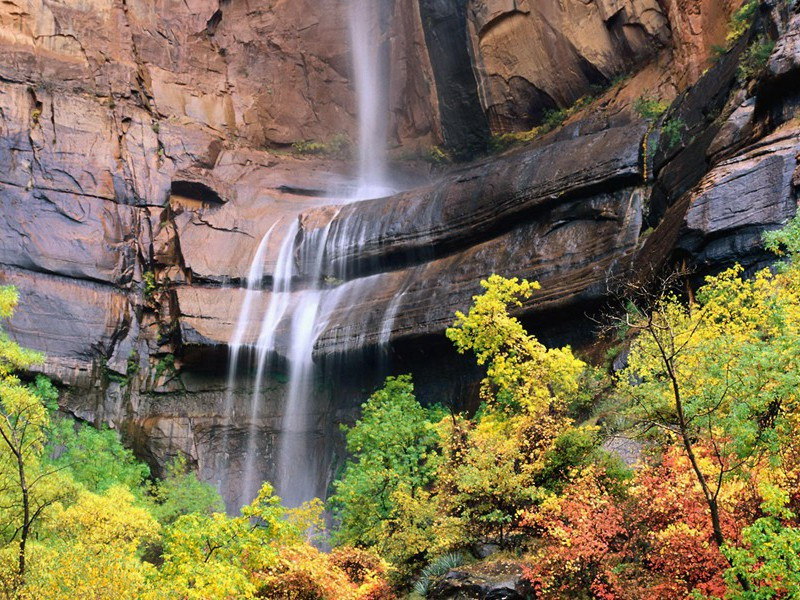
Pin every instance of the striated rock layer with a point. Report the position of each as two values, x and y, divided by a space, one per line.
146 153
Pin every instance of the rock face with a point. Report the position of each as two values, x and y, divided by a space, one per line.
465 128
145 159
499 580
533 56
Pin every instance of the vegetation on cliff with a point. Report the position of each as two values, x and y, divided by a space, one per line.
709 510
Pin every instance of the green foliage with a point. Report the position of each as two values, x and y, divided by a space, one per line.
713 385
649 107
741 20
77 516
150 285
165 365
436 568
717 52
739 326
671 131
338 146
181 493
394 447
29 490
95 458
554 118
216 556
769 556
551 119
12 356
785 241
569 450
132 366
755 58
205 555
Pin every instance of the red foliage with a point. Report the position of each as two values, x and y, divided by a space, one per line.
655 541
585 541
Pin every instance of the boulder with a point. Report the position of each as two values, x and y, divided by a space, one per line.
497 580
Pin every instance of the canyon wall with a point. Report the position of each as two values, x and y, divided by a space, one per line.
146 148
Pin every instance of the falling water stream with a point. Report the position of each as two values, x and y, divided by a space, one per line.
301 303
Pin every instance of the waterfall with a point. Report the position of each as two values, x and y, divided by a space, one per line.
255 277
371 83
301 301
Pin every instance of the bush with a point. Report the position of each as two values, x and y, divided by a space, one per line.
437 567
438 156
337 147
741 20
181 493
755 59
649 107
671 131
394 446
356 563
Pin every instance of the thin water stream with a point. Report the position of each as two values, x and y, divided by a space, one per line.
301 302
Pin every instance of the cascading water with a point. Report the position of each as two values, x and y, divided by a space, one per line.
255 277
301 302
370 83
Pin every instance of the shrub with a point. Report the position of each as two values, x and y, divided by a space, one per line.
741 20
755 58
671 131
338 146
356 563
437 567
150 285
649 107
438 156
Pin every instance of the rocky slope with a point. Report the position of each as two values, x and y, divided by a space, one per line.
147 149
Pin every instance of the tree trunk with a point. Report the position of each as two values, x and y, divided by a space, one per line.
26 515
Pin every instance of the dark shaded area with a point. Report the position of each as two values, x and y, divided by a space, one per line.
196 190
464 124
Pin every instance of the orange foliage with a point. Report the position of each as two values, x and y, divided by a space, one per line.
304 573
585 540
652 541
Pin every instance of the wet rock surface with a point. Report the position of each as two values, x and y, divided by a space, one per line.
499 580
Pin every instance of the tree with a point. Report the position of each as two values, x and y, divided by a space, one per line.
95 457
394 447
770 554
90 549
23 425
521 373
721 374
181 493
583 548
217 556
492 463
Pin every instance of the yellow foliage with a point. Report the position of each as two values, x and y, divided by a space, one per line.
520 371
91 551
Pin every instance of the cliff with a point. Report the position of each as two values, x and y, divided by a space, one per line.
149 147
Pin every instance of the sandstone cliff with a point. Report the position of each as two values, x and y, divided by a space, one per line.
147 148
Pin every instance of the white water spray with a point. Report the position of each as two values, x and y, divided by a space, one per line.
301 304
370 82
